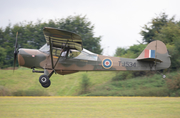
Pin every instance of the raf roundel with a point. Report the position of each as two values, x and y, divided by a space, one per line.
107 63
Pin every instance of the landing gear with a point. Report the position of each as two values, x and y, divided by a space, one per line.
44 80
47 84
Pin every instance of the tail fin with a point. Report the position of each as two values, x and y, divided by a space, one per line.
156 51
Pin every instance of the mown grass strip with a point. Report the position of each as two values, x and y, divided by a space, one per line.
55 107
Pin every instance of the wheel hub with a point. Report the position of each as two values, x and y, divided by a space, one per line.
43 79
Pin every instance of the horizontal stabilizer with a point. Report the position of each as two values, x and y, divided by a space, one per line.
150 59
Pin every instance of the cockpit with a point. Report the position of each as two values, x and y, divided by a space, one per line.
71 53
45 48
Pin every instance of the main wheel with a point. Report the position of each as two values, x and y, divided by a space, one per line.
47 84
44 79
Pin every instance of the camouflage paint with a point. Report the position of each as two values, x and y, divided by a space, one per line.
32 58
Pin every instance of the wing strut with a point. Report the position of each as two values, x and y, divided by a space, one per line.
53 66
50 43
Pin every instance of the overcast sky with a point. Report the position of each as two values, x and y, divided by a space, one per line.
117 21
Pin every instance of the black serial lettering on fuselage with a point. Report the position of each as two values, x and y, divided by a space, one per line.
127 64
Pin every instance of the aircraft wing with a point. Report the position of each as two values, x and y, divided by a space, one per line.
60 38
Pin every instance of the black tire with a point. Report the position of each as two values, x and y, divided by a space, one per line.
44 79
47 84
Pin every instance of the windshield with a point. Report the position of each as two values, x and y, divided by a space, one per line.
45 48
87 55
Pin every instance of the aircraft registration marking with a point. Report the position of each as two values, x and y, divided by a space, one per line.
127 64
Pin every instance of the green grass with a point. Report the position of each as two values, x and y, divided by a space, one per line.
153 85
25 83
89 107
64 85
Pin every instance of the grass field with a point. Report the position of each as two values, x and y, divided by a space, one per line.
67 85
89 107
25 83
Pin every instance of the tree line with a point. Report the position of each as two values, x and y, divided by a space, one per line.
30 35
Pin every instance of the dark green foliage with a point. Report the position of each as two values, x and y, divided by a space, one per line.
152 28
120 51
132 52
122 76
30 35
141 86
2 56
173 83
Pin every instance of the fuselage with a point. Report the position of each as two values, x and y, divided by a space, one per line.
84 61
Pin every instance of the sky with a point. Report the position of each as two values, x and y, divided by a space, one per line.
119 22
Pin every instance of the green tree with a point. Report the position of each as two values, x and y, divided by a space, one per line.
120 51
2 57
154 26
135 50
132 52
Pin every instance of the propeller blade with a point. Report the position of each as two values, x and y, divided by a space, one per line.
15 53
14 63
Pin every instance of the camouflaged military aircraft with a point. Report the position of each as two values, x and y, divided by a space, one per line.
63 53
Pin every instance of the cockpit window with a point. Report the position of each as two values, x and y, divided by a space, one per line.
84 54
87 55
45 48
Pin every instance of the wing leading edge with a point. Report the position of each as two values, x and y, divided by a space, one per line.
60 38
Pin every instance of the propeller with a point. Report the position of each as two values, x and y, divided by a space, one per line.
15 53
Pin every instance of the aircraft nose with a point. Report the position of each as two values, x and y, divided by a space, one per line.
20 58
26 57
31 58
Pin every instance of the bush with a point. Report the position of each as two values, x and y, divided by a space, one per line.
128 75
122 76
173 83
85 83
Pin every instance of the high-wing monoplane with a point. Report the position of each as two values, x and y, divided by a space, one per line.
64 54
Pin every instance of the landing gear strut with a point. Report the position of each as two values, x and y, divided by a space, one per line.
44 80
